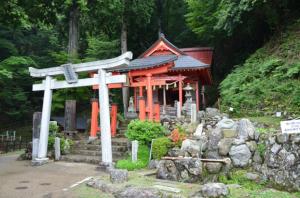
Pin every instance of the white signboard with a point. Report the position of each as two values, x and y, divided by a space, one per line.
291 126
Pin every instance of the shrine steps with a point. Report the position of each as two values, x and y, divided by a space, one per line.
90 152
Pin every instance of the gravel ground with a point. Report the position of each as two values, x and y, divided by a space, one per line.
20 179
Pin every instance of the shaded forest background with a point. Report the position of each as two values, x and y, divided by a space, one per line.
43 34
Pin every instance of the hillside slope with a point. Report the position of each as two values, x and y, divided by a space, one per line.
269 80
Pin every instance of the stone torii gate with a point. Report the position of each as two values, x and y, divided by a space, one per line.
70 71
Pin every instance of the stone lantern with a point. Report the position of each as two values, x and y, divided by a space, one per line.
188 98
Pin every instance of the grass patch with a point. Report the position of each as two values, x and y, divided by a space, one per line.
269 121
238 177
263 193
143 158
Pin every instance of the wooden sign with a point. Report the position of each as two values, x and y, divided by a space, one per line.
290 126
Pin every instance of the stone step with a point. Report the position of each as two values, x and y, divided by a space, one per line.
85 159
94 147
118 141
96 153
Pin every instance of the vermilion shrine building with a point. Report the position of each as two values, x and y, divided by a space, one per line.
158 78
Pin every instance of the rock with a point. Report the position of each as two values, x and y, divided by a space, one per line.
175 152
118 176
104 186
213 167
282 138
245 129
229 133
135 192
257 158
213 139
252 145
214 190
199 130
226 123
167 170
238 141
295 138
275 148
153 164
211 112
252 176
186 170
290 160
225 145
188 143
240 155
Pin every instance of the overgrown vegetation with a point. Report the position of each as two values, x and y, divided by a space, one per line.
160 147
269 79
142 162
144 131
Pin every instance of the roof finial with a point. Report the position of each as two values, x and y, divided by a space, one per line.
162 35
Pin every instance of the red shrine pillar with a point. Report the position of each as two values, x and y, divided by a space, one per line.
197 96
180 91
142 108
135 98
149 97
94 118
157 112
114 111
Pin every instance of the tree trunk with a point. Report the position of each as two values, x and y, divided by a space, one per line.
125 90
73 32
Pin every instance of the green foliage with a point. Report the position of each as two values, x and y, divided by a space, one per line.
53 127
142 162
160 147
261 148
65 143
101 47
144 131
269 79
238 177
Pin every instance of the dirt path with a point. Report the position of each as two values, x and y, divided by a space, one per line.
20 179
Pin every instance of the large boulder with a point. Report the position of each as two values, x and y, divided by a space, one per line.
118 176
240 155
212 112
188 143
213 167
214 138
225 145
214 190
246 129
186 170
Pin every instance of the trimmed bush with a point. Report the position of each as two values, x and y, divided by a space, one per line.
144 131
160 147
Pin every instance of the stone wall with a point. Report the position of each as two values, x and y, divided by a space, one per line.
281 163
275 157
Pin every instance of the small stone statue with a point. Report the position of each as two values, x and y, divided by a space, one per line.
131 106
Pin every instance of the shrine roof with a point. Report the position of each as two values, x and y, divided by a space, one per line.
147 62
188 62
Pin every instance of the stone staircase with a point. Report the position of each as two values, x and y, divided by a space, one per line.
90 152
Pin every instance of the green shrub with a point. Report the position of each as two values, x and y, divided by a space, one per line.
65 143
144 131
142 162
261 148
160 147
53 128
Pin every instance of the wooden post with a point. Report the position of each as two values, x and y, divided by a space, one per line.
180 92
70 116
197 96
157 112
142 107
149 97
43 143
36 122
135 98
165 100
94 118
114 111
